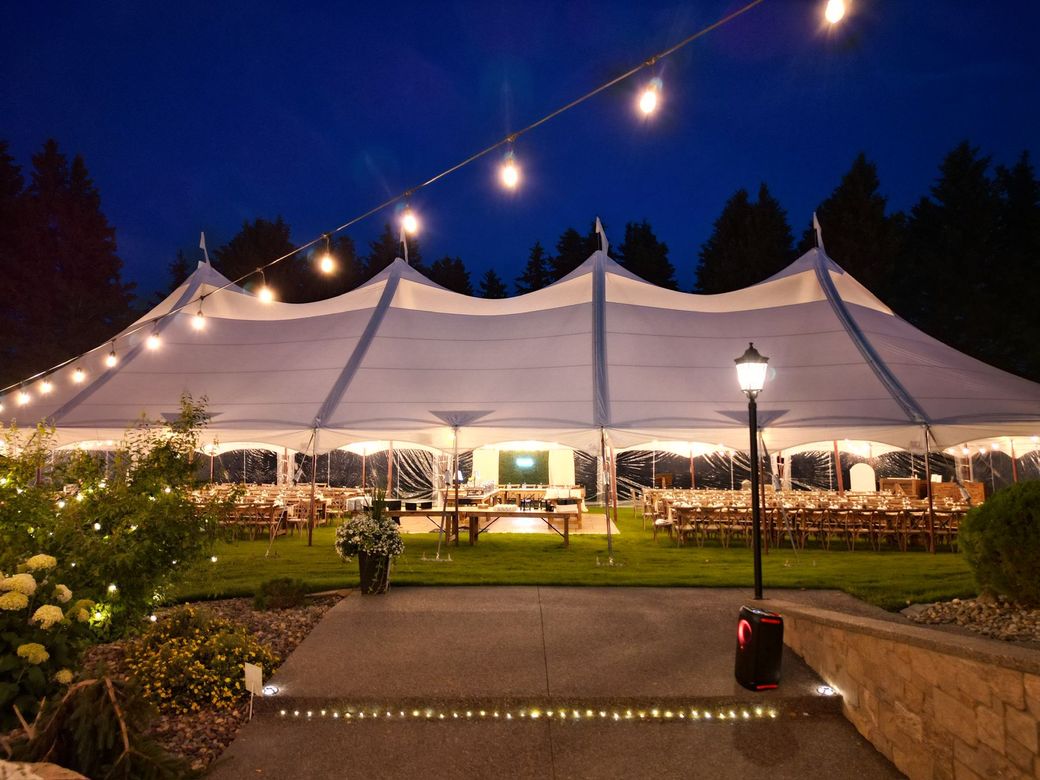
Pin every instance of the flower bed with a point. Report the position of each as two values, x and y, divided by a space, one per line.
201 735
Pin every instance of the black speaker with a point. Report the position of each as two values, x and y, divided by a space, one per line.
760 648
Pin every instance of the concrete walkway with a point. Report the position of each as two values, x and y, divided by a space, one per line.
543 683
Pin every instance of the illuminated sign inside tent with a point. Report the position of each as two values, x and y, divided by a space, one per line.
524 462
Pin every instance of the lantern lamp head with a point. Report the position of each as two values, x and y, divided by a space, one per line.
751 371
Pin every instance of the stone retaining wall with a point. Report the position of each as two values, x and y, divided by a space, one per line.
937 704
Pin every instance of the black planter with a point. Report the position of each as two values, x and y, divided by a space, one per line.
375 573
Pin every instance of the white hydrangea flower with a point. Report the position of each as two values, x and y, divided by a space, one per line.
20 583
47 616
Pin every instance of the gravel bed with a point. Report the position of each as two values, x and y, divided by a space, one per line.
202 736
996 618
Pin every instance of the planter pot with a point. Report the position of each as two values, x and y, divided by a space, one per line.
375 573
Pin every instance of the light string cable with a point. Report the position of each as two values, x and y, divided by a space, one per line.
649 62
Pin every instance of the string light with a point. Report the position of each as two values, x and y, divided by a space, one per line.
199 320
23 398
835 11
265 293
642 716
509 172
153 342
327 263
78 375
650 97
46 386
409 221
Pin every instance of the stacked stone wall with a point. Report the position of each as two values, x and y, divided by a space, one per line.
938 705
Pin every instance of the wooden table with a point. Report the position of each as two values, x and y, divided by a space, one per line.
475 514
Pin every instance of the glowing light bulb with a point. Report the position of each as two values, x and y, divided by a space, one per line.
410 222
835 11
650 97
965 451
112 588
265 294
46 386
326 263
112 359
23 398
153 341
199 320
1034 439
509 173
79 375
995 446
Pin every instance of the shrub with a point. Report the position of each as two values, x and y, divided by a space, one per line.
1001 542
126 531
98 729
280 593
42 631
188 660
370 531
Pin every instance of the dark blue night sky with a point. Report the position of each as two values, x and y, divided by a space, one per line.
198 116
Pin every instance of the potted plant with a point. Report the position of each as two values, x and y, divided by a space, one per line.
374 538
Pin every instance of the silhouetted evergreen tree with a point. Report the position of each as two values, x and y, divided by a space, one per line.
450 272
949 284
256 244
347 274
857 233
65 291
537 273
570 253
179 269
750 242
387 248
492 286
13 276
645 256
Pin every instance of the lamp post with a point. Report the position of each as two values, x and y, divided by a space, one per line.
751 374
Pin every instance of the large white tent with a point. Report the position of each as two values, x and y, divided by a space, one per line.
402 359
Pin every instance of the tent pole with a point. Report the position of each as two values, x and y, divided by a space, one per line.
455 482
390 470
837 470
314 476
605 490
613 484
693 475
1014 466
363 463
931 500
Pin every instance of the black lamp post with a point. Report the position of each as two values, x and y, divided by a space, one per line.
751 374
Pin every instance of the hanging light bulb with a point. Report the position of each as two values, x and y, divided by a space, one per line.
835 10
965 451
409 221
650 97
199 320
509 172
153 341
111 359
264 293
46 386
23 398
78 375
326 262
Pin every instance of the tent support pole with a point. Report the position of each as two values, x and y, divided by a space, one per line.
364 460
613 484
837 470
693 474
455 482
390 470
1014 466
314 477
931 500
605 492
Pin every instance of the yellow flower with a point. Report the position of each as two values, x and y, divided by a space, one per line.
63 677
47 616
62 594
39 562
20 583
33 652
13 600
82 616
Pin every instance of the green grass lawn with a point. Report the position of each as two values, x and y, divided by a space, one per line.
888 579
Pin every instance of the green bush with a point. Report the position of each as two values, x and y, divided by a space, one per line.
1001 542
124 531
188 660
42 631
280 593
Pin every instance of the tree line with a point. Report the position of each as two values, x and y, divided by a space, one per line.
963 264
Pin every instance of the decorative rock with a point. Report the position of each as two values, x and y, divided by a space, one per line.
993 617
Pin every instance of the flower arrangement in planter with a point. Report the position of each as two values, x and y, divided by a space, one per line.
374 538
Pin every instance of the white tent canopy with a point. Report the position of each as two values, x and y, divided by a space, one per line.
403 359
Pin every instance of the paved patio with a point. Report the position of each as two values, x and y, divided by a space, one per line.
429 668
